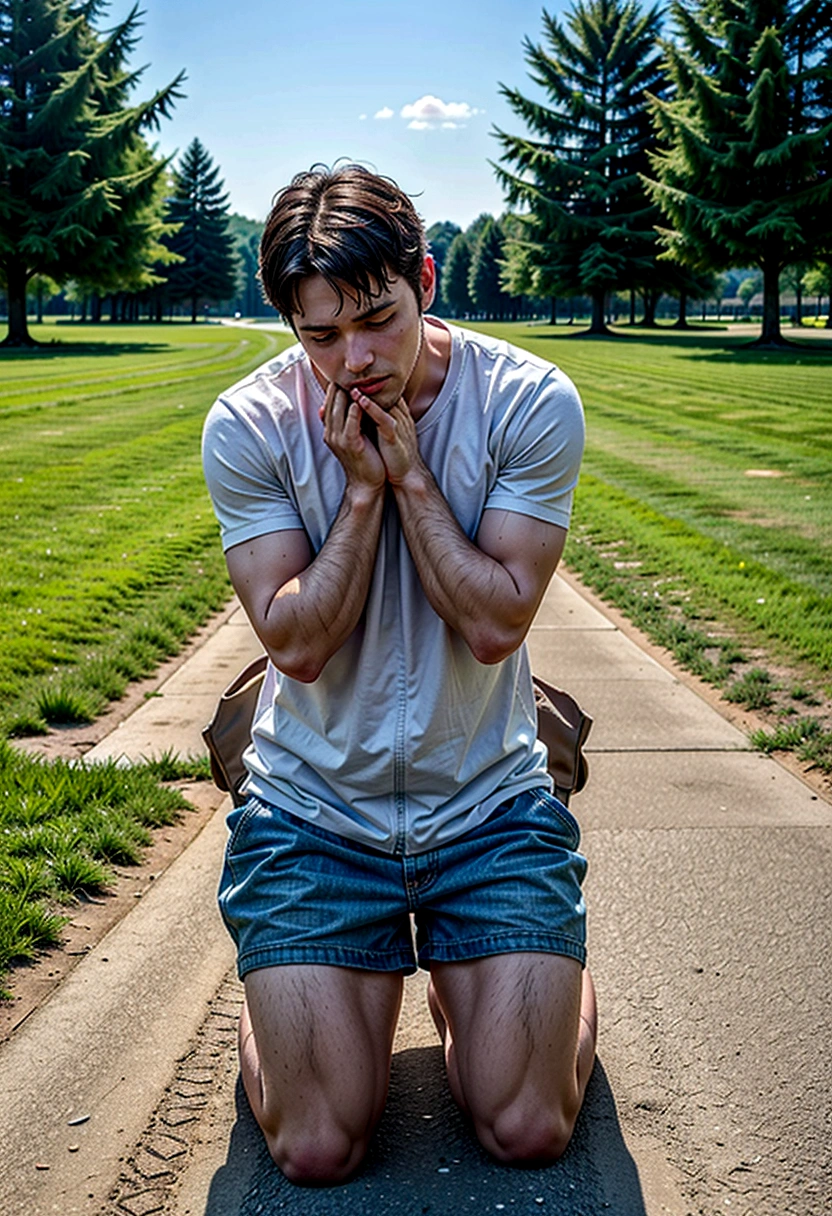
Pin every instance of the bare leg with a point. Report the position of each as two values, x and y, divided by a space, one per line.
519 1033
315 1045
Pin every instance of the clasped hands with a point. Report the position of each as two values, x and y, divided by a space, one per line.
364 463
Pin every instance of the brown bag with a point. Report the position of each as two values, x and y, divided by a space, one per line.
561 724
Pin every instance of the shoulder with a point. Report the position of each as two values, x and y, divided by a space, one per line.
271 386
513 365
511 382
272 405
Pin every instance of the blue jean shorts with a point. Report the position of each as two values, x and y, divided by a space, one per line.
292 892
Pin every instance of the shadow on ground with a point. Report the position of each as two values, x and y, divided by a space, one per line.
425 1160
724 348
60 348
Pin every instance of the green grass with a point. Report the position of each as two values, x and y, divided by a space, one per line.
62 827
112 556
673 519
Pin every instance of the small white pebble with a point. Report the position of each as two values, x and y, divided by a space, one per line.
443 1169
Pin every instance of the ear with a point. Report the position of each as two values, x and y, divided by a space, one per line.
428 278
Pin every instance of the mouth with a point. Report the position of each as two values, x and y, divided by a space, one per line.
368 387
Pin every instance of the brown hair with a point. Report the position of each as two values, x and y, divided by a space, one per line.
349 225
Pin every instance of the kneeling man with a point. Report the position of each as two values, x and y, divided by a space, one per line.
393 494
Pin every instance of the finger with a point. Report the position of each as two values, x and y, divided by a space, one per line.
335 406
379 416
352 422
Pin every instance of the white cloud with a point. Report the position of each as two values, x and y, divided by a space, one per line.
362 117
384 112
430 112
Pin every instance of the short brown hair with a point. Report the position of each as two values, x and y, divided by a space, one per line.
347 224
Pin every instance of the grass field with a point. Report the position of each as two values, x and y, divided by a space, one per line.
706 489
112 557
704 511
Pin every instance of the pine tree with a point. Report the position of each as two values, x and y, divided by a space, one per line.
439 237
208 270
76 179
455 276
745 173
484 286
590 225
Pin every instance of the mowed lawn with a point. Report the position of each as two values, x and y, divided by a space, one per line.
111 552
707 484
707 481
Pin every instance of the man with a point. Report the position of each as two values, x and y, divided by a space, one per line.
393 495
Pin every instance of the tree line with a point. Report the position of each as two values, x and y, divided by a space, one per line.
673 145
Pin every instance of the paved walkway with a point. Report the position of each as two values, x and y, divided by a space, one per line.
709 941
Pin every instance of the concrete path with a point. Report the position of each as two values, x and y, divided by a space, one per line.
710 917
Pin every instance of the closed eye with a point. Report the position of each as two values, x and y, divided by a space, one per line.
380 324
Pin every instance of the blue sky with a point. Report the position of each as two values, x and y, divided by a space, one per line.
273 87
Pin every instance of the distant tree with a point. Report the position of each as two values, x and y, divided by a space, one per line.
745 173
484 284
590 225
245 234
132 258
43 289
439 238
719 290
748 289
455 276
75 174
818 282
791 279
199 208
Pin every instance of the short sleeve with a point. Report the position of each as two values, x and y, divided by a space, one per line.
243 478
540 453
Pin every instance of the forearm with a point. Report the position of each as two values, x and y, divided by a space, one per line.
311 615
473 593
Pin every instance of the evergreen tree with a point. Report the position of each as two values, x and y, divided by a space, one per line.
208 270
745 174
455 276
484 286
246 234
77 182
590 225
439 238
818 282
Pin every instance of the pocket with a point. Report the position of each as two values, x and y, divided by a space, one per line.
238 822
562 813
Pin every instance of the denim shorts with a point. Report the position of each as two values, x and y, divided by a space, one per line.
292 892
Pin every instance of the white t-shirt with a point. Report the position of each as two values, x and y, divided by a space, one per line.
405 740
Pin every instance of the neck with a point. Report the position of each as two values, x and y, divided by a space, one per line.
430 368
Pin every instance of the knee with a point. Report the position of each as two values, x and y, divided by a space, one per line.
528 1134
325 1158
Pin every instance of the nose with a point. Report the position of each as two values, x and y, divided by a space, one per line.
358 354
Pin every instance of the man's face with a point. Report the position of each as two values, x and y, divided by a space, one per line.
373 344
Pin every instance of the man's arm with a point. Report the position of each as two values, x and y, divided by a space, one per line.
488 591
303 608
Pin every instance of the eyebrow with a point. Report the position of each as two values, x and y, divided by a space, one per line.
362 316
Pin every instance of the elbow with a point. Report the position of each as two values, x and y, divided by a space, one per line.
303 673
303 667
492 646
